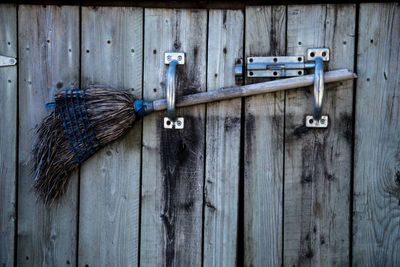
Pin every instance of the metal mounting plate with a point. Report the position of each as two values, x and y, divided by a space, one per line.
7 61
311 122
275 66
173 124
178 56
315 52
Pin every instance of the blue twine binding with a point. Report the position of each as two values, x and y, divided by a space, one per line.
50 105
76 122
70 124
53 104
83 121
83 118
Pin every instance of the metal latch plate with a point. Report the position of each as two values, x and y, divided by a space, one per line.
174 124
311 122
317 52
178 56
289 66
7 61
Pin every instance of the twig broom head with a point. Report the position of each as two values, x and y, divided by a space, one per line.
81 122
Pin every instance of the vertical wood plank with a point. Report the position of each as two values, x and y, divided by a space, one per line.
376 227
263 158
318 161
8 129
48 61
225 44
109 193
173 160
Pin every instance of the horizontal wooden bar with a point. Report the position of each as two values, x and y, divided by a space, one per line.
254 89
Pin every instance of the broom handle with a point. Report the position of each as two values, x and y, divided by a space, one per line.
254 89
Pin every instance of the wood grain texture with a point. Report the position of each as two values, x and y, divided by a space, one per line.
48 61
376 221
8 137
225 44
110 180
318 161
173 160
263 155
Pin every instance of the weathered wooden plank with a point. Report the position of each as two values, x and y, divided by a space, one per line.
173 160
225 44
8 129
48 61
318 161
376 227
110 181
263 158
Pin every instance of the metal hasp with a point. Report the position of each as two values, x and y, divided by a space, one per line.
172 59
7 61
318 55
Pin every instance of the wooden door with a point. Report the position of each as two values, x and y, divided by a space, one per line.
245 183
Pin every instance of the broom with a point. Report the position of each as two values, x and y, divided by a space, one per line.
83 121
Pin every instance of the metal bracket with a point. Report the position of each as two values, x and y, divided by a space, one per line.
7 61
311 122
178 56
172 59
178 123
312 53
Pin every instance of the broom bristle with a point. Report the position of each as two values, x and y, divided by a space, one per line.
80 124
